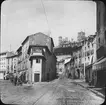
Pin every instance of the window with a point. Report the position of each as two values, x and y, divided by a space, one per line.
37 60
92 51
88 58
92 44
88 44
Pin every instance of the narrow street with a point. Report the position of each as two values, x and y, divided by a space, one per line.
57 92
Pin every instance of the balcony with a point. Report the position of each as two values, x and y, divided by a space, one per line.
36 54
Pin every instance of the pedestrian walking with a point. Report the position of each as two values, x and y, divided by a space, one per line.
15 79
19 79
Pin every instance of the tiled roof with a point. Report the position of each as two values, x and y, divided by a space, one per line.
10 54
2 53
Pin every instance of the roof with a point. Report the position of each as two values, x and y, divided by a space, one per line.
37 34
2 53
87 38
52 41
65 49
11 54
25 40
19 48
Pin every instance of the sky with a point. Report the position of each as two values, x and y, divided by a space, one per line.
20 18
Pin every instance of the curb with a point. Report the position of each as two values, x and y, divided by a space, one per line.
94 91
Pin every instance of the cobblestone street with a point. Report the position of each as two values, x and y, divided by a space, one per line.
57 92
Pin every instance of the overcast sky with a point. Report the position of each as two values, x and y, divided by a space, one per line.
20 18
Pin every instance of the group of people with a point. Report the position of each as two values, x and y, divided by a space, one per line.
18 79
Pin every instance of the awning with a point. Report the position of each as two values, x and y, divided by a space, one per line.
100 64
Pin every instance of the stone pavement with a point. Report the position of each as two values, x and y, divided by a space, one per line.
91 88
57 92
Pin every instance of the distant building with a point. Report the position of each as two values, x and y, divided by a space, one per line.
11 62
67 66
82 53
60 40
60 66
81 36
65 51
19 59
3 64
76 62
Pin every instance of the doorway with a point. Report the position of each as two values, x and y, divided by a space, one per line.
48 77
36 77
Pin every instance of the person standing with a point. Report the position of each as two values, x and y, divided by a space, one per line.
15 79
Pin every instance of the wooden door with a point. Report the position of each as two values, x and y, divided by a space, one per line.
36 77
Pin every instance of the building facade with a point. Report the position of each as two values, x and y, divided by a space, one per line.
11 62
32 65
76 63
89 56
19 59
99 68
65 51
3 64
83 56
43 63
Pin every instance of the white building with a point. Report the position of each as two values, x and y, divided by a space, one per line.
85 55
89 51
36 60
11 62
3 64
88 56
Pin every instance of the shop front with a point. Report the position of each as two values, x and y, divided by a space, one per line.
88 73
99 73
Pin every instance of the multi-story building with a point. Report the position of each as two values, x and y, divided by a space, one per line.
3 64
11 62
84 56
33 65
88 56
99 68
65 51
60 66
43 63
76 63
68 67
19 59
89 50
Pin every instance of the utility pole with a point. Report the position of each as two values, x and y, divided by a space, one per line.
49 30
84 59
